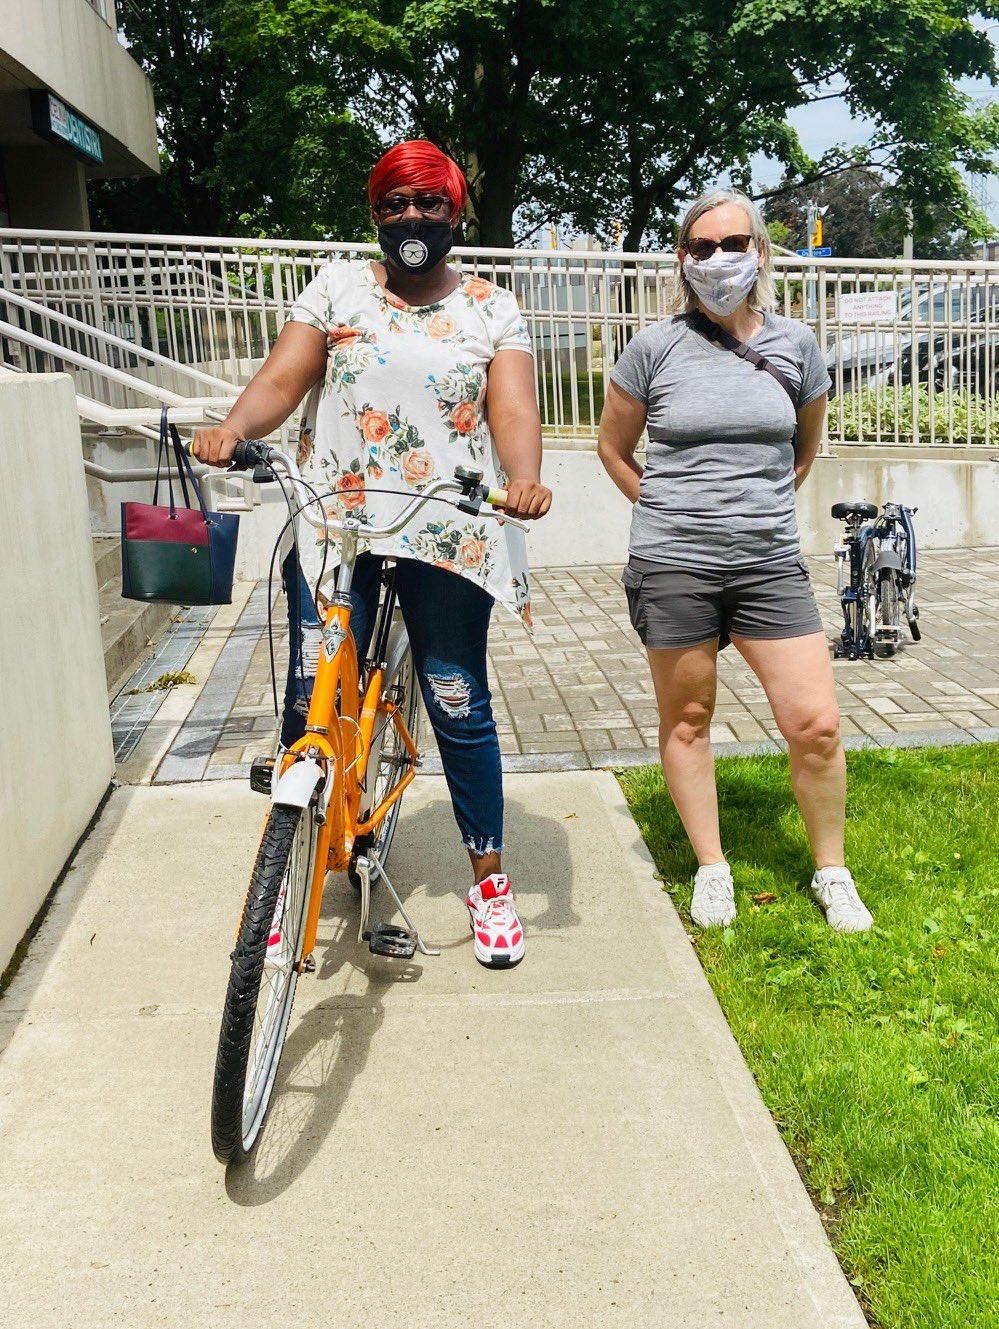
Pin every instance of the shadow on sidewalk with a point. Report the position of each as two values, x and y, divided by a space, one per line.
760 823
329 1044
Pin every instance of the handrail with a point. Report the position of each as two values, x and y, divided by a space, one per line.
101 334
119 376
128 474
368 247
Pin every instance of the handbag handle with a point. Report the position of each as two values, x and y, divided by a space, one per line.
185 467
159 462
185 470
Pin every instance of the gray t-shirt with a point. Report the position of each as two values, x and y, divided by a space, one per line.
718 485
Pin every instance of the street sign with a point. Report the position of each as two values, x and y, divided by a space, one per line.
823 252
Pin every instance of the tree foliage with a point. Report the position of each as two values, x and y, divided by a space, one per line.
862 221
595 111
250 141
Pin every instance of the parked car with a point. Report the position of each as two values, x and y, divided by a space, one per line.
965 320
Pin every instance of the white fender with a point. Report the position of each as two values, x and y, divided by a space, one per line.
296 786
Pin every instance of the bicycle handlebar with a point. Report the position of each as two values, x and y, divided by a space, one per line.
252 452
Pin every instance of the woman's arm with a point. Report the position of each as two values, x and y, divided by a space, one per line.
809 437
516 429
621 424
296 361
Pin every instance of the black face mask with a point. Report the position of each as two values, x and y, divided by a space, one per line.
415 246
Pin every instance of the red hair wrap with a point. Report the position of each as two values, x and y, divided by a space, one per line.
421 166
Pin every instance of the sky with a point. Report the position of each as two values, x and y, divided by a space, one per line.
823 126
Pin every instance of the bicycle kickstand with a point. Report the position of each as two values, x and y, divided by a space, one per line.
386 938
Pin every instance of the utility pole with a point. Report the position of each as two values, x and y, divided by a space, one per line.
815 216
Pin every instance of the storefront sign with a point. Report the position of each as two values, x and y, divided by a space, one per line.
53 119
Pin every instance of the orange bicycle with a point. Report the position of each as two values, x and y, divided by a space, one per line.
334 803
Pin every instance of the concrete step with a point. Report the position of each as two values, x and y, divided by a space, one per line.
129 628
107 558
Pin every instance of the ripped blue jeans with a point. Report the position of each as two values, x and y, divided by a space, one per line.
447 618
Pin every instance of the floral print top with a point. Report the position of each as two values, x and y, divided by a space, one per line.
402 403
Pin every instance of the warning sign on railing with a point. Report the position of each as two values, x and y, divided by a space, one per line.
868 306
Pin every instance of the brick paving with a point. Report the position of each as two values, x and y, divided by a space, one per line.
578 692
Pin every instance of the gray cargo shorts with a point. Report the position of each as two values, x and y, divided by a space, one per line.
673 607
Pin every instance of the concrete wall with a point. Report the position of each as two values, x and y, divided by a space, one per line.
55 734
46 187
65 45
958 503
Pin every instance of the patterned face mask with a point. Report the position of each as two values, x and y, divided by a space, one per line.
722 281
415 246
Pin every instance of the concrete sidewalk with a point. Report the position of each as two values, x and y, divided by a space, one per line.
576 1142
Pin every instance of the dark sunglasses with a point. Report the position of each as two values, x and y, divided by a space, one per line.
700 249
428 205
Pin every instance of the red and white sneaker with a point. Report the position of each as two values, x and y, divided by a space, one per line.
497 931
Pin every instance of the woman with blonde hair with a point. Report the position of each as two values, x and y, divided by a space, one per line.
733 397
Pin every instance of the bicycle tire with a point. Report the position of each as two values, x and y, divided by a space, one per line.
392 750
236 1126
888 611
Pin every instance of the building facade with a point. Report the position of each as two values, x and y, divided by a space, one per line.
74 106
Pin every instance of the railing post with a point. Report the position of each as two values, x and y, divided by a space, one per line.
821 333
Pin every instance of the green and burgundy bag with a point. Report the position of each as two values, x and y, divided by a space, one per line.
182 556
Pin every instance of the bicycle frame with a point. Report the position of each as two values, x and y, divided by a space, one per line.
333 755
892 538
342 738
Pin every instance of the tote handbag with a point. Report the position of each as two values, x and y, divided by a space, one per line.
182 556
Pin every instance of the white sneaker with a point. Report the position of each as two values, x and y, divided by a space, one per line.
713 905
835 892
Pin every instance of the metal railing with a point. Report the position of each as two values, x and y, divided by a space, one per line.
910 346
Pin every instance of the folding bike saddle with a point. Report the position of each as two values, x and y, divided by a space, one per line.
842 510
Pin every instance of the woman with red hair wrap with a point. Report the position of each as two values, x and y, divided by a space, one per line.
415 368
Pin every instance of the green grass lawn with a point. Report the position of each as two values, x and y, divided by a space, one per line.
878 1055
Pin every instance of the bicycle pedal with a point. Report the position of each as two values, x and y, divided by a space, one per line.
261 772
388 939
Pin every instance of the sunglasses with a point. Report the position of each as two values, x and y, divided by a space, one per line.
428 205
700 249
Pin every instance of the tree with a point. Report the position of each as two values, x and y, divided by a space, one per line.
247 144
858 223
672 100
861 222
594 110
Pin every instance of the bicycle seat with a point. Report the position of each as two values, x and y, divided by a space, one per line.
842 510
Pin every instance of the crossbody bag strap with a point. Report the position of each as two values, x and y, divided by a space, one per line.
707 328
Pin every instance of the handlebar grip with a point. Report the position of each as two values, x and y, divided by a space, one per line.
497 497
249 452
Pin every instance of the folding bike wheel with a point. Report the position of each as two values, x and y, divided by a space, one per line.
261 987
888 611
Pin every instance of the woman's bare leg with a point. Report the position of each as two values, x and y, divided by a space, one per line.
798 679
685 681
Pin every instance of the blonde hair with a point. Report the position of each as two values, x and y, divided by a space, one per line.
763 295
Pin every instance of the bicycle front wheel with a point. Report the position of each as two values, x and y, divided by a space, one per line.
262 982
